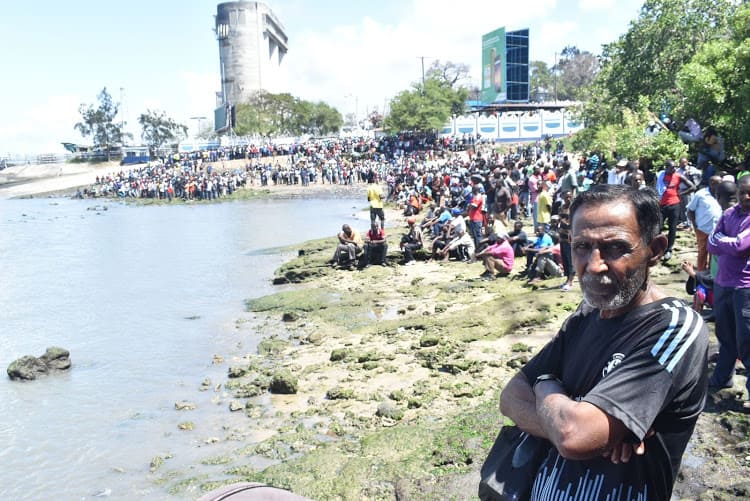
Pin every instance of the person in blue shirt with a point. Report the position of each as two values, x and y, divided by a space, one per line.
542 240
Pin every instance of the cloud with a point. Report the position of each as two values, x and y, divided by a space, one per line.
374 60
590 5
42 126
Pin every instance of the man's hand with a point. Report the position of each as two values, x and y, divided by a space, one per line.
622 452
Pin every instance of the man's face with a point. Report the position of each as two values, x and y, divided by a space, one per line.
609 255
743 195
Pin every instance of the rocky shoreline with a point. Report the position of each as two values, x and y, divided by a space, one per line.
396 373
387 381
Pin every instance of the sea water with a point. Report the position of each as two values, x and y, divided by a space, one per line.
143 297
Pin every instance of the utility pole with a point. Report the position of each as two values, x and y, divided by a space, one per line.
554 68
122 118
423 58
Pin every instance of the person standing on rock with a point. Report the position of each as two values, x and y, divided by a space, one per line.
375 197
730 243
619 389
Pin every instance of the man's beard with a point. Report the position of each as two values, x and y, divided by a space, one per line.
625 291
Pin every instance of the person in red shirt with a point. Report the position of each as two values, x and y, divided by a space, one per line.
375 245
476 215
670 201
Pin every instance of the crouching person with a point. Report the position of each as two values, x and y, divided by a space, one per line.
376 248
498 258
349 248
411 241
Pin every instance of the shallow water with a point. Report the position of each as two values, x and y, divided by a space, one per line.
143 297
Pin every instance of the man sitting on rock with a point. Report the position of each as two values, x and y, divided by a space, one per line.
461 241
518 239
376 247
498 258
411 241
350 246
542 241
547 262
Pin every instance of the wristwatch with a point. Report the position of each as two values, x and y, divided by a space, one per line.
545 377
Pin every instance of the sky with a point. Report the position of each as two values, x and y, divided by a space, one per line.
162 55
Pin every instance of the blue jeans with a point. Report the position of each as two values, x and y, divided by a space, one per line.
732 310
476 232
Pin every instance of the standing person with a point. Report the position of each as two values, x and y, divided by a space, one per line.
670 202
534 183
375 197
566 253
730 242
568 180
704 212
584 392
544 206
476 215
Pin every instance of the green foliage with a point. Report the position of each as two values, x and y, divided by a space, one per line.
99 123
541 80
159 129
268 114
666 35
680 57
427 108
628 139
714 83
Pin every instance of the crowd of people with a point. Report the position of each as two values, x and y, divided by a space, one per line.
581 398
478 209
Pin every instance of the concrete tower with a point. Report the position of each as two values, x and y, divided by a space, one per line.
252 49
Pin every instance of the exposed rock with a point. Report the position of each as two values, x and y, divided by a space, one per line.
206 384
56 358
315 338
429 340
339 354
390 411
289 316
184 405
156 463
284 382
218 359
340 394
235 372
29 367
186 426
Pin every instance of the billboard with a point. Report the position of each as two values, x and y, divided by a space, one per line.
493 66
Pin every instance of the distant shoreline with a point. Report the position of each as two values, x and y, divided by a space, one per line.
63 180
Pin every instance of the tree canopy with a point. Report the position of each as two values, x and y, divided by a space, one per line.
99 123
267 114
158 129
679 59
428 107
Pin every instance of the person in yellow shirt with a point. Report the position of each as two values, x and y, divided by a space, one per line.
544 206
375 197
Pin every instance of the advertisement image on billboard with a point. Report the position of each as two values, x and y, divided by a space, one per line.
493 66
